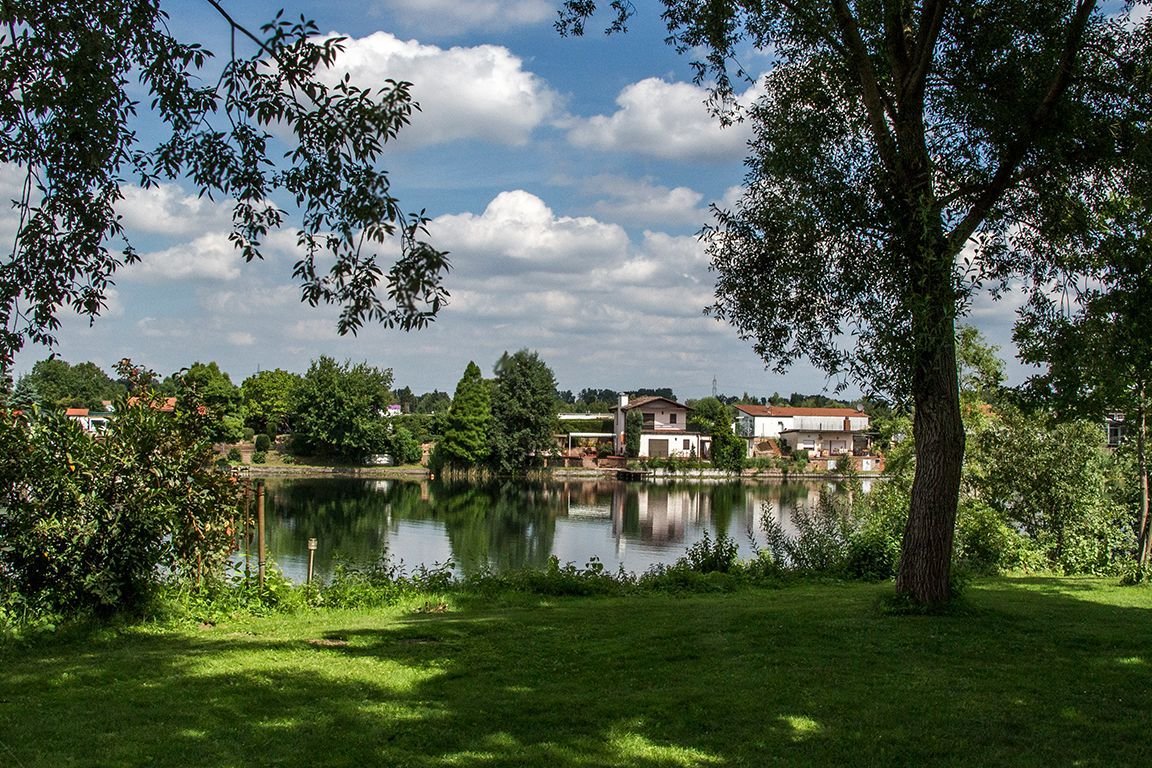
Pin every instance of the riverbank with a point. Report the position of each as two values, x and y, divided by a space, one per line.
560 473
1033 672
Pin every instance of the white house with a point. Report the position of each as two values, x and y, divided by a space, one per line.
820 431
665 431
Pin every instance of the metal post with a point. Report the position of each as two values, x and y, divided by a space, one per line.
311 557
260 532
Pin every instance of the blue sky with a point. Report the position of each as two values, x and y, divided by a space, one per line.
567 177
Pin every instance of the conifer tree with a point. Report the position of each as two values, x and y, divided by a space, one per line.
466 436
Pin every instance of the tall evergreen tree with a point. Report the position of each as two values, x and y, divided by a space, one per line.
523 409
467 432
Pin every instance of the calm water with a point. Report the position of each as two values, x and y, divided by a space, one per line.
512 524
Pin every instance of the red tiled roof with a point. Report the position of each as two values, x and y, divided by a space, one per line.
766 411
647 399
76 412
165 405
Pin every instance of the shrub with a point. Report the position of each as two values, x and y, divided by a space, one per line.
822 537
249 433
259 457
708 555
233 454
984 542
91 525
263 443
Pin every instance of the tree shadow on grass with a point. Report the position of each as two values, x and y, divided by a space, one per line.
812 676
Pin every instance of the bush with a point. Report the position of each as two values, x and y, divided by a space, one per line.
259 457
984 542
263 443
249 433
233 454
874 546
91 525
709 556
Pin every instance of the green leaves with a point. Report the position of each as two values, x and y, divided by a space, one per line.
68 123
93 524
339 409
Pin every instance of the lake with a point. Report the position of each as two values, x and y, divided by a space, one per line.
513 524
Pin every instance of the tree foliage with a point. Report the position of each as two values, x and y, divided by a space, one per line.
89 523
523 411
905 154
1057 484
267 398
467 432
713 417
1091 331
212 389
70 123
339 410
57 384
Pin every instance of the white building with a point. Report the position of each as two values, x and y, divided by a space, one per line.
769 429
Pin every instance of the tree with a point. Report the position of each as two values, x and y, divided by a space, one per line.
467 432
523 411
93 524
1096 347
55 383
713 417
212 388
69 121
339 410
980 369
267 398
633 433
1054 482
903 154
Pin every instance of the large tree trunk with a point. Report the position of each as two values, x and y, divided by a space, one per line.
1144 541
926 556
924 576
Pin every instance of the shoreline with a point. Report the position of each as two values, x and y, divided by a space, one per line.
261 471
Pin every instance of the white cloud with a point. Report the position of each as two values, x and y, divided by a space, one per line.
167 209
643 202
665 120
480 92
518 233
451 17
241 339
208 257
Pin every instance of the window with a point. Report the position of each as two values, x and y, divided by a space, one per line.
649 421
671 418
687 445
1115 434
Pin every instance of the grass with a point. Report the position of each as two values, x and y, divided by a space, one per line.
1033 672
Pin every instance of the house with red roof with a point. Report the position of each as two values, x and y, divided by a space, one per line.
94 422
665 432
822 432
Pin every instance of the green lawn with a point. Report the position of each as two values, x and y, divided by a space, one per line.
1043 672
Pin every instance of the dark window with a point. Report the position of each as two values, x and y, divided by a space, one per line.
649 421
671 418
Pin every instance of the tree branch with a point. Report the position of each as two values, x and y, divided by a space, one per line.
931 22
1014 155
874 101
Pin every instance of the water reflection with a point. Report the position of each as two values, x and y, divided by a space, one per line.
508 524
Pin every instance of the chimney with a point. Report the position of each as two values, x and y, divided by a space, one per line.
623 399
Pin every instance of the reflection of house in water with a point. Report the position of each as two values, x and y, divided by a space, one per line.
656 513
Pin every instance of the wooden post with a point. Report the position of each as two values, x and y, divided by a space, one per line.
260 532
311 557
247 531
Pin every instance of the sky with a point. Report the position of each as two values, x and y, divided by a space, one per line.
567 177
